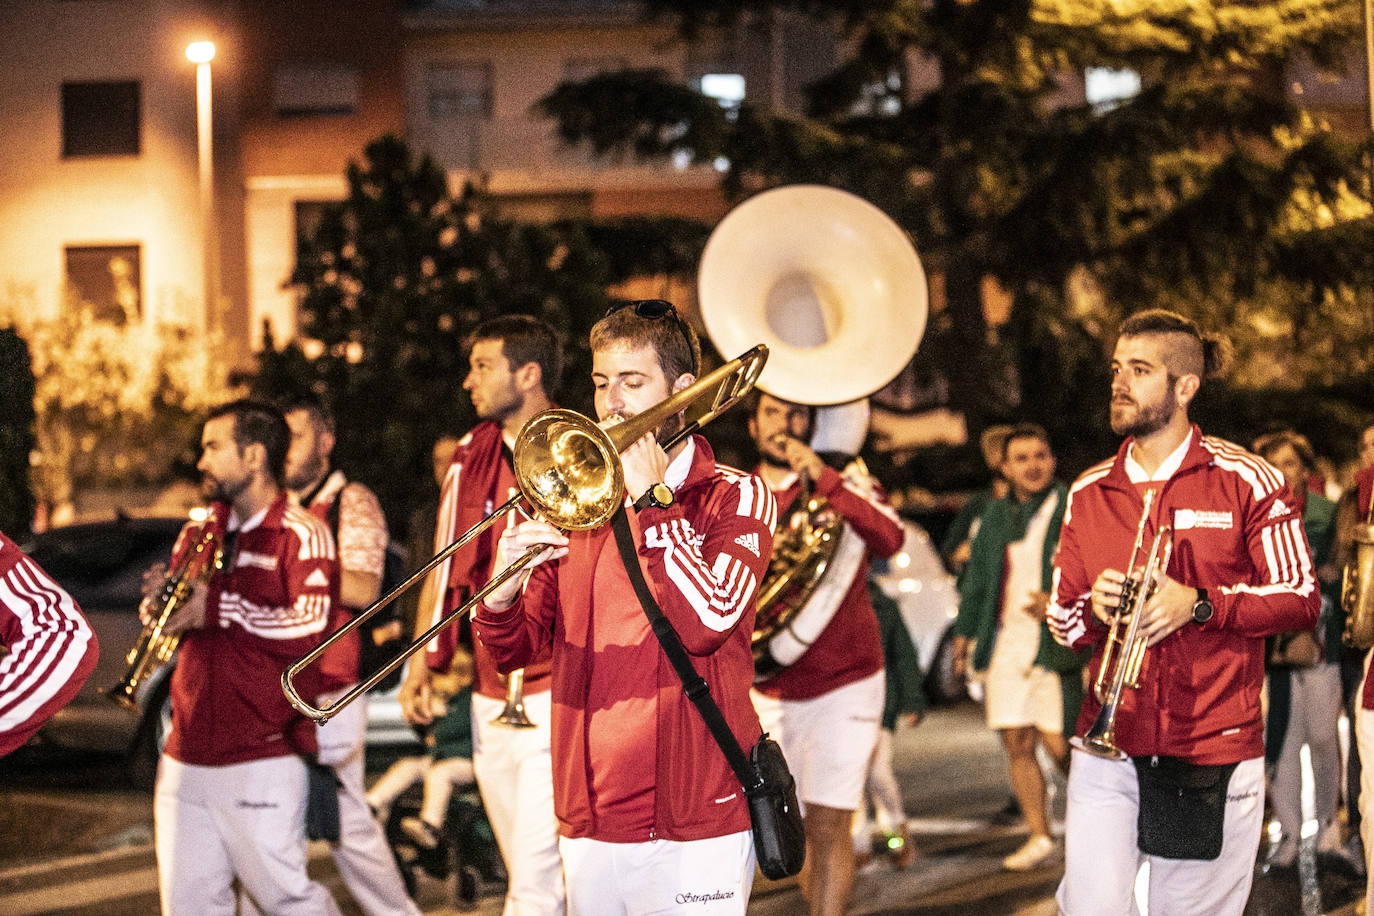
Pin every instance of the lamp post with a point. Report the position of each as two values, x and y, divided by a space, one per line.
201 53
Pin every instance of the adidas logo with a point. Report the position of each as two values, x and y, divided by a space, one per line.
749 542
317 579
1278 509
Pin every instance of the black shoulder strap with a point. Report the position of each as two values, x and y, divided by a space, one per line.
693 684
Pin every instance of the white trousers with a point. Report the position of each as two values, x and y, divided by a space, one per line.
362 854
514 770
828 740
1313 716
712 876
243 820
1101 860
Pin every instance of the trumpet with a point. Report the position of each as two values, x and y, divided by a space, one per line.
568 468
1124 651
155 646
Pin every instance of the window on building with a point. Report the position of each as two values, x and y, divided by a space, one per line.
1106 88
303 90
100 119
459 91
107 279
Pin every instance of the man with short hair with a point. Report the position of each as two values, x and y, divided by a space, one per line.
355 518
651 816
1032 682
1191 800
515 362
825 707
231 786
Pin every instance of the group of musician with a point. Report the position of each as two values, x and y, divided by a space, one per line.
1134 610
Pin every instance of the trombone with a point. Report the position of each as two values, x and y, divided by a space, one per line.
568 468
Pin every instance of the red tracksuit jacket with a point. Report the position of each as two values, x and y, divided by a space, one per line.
850 647
1238 534
632 760
51 648
263 612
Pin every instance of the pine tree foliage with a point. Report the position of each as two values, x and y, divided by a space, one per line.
391 282
1208 190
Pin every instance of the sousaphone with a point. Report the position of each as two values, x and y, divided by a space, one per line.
835 289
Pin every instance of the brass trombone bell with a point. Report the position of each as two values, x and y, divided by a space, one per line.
568 468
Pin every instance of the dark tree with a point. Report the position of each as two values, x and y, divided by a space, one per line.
16 435
1208 191
393 279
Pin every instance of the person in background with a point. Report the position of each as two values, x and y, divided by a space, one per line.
958 538
1304 672
47 649
446 765
1033 685
904 702
355 518
1352 659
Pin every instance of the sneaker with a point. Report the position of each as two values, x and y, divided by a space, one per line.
1036 852
419 832
900 852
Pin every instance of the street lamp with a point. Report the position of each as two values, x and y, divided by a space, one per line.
201 53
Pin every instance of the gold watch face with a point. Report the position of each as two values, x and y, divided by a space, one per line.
662 494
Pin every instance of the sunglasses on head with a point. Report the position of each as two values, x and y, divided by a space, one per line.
654 309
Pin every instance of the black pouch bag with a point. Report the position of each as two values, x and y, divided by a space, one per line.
321 802
1182 807
779 837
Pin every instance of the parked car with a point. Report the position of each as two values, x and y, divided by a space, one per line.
102 564
926 594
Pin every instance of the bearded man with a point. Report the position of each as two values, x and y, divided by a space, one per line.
1186 794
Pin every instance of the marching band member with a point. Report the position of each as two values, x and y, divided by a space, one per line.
824 708
1190 801
230 798
515 362
651 816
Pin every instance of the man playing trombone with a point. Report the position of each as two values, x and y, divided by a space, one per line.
1189 802
515 362
651 817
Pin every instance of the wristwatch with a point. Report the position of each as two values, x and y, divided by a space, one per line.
659 495
1202 607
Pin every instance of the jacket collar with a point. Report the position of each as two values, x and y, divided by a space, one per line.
1196 456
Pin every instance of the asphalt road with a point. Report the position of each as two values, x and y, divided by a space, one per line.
74 841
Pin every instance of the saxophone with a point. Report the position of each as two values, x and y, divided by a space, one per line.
155 647
1357 586
815 558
